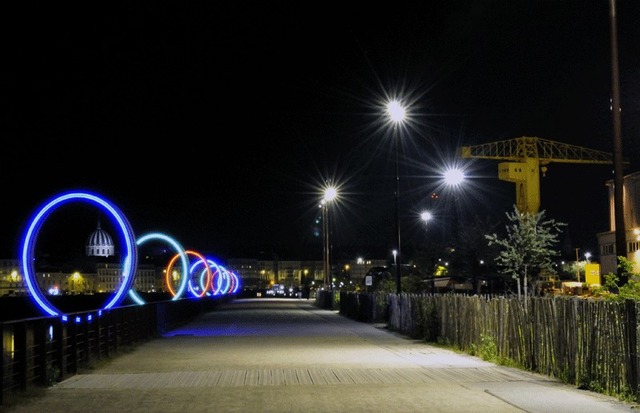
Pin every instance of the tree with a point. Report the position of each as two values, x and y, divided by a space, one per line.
527 246
613 289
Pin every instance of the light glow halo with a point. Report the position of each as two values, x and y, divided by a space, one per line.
180 253
130 260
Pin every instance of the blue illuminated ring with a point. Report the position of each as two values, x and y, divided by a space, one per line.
130 260
183 258
227 278
217 278
223 276
202 282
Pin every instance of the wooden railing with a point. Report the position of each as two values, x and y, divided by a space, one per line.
38 352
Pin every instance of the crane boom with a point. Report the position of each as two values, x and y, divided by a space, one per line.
523 159
544 150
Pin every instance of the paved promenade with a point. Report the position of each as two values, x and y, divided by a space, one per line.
286 355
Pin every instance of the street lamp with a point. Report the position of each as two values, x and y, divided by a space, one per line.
330 193
454 177
397 113
426 216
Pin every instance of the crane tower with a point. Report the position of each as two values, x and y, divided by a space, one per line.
526 157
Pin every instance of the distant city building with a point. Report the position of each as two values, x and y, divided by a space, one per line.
260 274
607 240
11 280
105 274
108 277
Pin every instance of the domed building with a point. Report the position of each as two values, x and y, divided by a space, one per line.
100 243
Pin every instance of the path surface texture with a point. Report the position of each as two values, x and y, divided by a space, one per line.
286 355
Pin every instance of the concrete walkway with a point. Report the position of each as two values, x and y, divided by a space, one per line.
286 355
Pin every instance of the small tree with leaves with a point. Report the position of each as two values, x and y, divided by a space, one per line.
612 289
528 245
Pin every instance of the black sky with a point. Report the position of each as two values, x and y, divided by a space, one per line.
217 123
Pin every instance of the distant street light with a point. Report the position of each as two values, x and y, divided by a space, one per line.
426 216
397 114
330 193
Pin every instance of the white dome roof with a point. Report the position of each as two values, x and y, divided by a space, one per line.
100 243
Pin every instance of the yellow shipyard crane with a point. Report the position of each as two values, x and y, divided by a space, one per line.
526 157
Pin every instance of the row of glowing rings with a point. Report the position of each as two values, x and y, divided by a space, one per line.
220 281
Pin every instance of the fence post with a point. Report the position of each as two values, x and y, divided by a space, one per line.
632 344
20 354
59 337
72 336
86 345
40 355
2 365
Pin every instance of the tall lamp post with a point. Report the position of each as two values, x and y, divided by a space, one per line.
426 216
330 193
396 113
454 178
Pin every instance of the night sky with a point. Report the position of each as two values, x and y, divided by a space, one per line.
218 123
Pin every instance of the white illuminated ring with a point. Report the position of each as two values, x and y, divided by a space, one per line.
183 258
